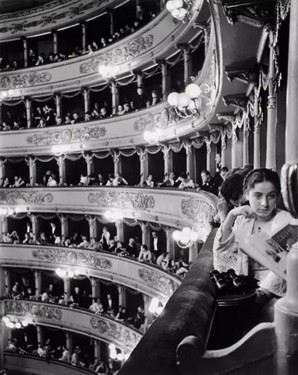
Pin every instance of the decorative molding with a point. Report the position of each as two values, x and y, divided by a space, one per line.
53 137
119 55
21 308
75 258
25 197
227 117
17 81
115 332
47 16
136 201
197 210
155 280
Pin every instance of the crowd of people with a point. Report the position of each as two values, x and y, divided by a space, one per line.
45 116
48 351
37 58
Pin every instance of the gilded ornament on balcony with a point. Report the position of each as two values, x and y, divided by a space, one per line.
54 137
115 331
21 308
154 279
73 257
13 81
197 210
24 197
118 55
138 201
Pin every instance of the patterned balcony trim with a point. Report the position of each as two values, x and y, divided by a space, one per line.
55 14
29 79
137 201
119 55
74 258
54 137
21 308
25 197
115 332
197 210
157 281
83 322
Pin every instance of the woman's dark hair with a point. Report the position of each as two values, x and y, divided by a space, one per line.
261 175
232 187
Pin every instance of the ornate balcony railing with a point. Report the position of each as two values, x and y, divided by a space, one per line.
174 207
134 52
145 278
74 320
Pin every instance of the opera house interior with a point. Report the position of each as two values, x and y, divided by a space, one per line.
148 187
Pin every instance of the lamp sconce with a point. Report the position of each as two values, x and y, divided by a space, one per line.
190 102
69 274
14 323
108 71
153 137
113 216
180 9
185 237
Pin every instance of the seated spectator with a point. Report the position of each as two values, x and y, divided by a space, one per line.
170 181
139 318
101 180
85 243
18 182
52 181
40 59
182 267
112 246
83 180
145 255
58 120
149 181
95 245
119 180
76 118
73 241
142 182
65 355
208 182
67 119
122 315
76 359
31 57
168 263
223 172
88 117
139 100
103 42
16 291
127 108
120 249
42 240
97 307
185 182
41 123
95 46
103 113
76 297
105 238
132 248
12 346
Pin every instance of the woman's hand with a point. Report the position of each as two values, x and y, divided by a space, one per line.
245 211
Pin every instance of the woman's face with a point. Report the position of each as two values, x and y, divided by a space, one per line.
262 199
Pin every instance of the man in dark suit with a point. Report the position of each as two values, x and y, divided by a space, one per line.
170 181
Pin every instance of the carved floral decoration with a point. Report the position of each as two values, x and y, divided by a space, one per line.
46 15
157 281
197 210
116 332
21 308
137 201
119 55
51 137
16 81
25 197
74 258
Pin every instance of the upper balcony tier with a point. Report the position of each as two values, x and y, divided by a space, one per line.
177 209
155 41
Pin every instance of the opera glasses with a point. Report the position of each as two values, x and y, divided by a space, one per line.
228 283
